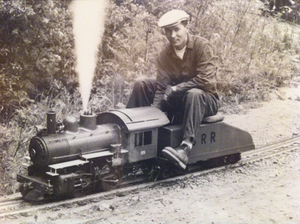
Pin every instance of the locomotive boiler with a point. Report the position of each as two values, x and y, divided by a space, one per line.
99 152
49 147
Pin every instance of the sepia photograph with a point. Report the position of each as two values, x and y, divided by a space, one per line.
150 111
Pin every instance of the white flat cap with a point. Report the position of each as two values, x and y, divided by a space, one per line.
172 18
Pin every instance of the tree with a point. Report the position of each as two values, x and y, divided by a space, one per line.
35 48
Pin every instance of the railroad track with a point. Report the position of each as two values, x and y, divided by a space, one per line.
271 150
10 203
15 206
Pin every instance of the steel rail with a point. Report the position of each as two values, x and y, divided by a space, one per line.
247 158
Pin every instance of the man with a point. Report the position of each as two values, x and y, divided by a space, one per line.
185 82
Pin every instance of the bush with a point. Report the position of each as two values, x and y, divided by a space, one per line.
15 137
287 10
36 48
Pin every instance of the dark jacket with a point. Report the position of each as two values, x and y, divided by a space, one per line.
197 69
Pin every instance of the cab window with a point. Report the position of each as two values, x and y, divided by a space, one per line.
143 138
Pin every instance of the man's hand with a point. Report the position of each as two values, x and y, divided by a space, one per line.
169 91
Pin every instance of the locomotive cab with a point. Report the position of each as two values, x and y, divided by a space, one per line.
139 128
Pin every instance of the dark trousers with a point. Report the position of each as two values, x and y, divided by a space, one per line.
188 108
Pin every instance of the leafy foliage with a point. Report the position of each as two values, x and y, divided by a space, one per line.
36 48
287 10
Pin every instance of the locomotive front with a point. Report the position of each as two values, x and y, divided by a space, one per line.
55 152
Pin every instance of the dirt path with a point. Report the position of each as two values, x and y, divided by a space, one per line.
274 120
263 192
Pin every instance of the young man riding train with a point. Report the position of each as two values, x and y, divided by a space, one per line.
185 83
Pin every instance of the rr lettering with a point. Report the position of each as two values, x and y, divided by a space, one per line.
212 137
203 137
211 140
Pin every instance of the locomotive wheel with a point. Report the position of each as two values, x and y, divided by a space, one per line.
110 181
234 158
223 160
216 162
147 170
24 189
166 173
32 195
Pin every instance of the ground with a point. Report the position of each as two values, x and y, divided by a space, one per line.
262 192
272 121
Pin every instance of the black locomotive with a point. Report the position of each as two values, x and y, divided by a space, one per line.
98 152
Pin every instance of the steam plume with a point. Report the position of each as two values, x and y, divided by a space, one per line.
88 28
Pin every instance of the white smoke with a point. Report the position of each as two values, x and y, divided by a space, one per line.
88 28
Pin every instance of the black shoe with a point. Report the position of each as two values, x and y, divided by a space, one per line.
178 155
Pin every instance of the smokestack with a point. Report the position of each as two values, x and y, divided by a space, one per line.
51 122
88 121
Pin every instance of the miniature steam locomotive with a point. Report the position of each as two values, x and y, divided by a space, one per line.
98 152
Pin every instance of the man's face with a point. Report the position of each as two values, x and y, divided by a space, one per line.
177 35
